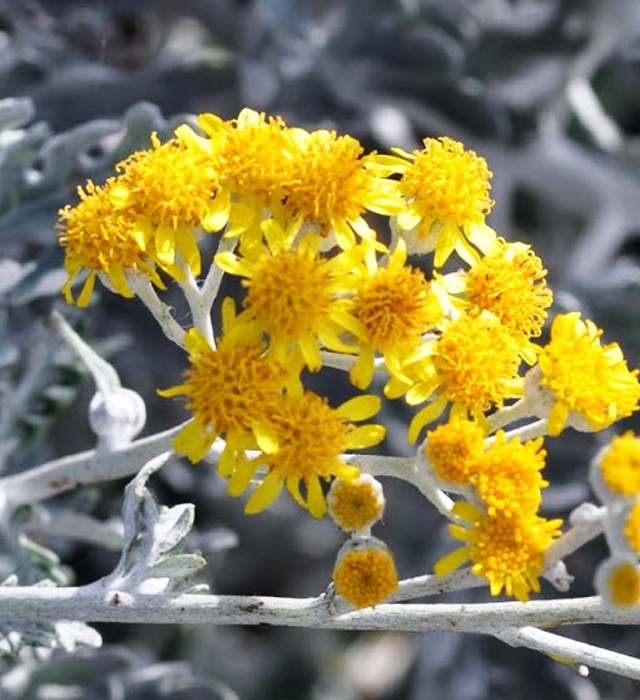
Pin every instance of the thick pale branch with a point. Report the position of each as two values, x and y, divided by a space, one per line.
89 467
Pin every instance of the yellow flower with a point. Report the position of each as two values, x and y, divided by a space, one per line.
453 450
395 307
355 504
619 465
508 478
251 157
294 294
447 190
331 184
590 385
618 582
102 239
631 528
230 389
509 281
507 551
365 573
301 440
170 190
474 364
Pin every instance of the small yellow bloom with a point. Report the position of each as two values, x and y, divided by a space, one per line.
170 190
395 308
447 191
474 365
331 183
507 551
509 281
355 504
230 389
508 478
631 528
293 293
301 440
251 157
618 581
453 450
590 384
619 465
99 237
365 573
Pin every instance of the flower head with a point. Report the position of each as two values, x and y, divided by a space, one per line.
365 573
250 156
294 294
230 389
473 364
394 307
170 190
447 191
301 440
332 183
509 281
99 237
355 504
590 384
507 551
618 466
508 478
453 451
618 581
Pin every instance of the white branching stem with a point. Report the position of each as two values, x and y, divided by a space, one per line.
89 467
503 620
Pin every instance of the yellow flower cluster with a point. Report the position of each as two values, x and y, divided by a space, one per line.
503 535
615 478
321 288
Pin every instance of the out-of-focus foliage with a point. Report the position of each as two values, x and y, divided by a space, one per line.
547 90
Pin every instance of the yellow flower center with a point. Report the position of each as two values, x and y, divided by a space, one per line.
584 376
250 158
620 465
97 235
477 360
288 294
623 584
508 479
632 527
509 282
309 435
366 577
168 183
355 503
453 449
329 179
448 183
233 387
396 306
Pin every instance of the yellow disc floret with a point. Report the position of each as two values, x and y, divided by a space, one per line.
508 479
332 183
453 450
509 281
229 389
620 465
302 440
171 189
584 377
618 582
365 573
447 191
507 551
355 504
100 237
